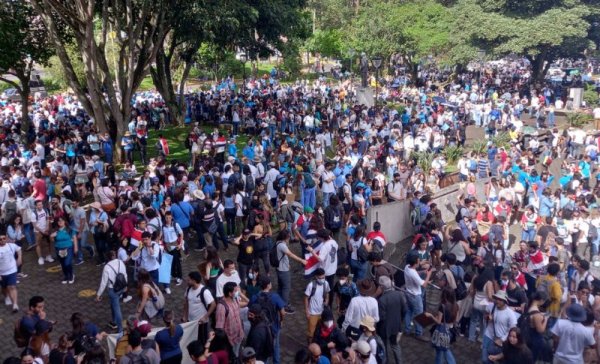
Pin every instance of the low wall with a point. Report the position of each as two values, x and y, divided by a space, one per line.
395 216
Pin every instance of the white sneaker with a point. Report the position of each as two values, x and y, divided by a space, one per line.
72 280
64 282
49 259
127 299
41 261
7 301
168 290
178 281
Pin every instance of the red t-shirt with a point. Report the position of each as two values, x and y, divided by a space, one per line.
40 190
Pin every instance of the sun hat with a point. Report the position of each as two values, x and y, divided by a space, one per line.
501 295
362 347
96 205
366 287
368 322
199 194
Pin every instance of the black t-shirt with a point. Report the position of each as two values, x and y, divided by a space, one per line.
516 296
246 251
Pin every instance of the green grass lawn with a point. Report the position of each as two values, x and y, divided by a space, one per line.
176 136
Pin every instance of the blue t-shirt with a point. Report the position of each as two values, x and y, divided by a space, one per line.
169 345
64 238
182 212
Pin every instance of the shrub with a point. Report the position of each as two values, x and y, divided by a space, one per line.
578 119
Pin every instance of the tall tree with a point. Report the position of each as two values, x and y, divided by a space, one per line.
258 27
540 30
23 43
135 30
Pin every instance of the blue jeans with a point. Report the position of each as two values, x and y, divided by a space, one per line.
29 235
115 308
359 270
476 320
82 241
284 285
447 354
487 344
276 351
595 245
236 128
414 307
528 235
309 197
66 263
326 197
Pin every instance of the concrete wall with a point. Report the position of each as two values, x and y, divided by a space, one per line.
395 216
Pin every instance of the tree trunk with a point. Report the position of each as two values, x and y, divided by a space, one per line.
162 78
25 91
538 66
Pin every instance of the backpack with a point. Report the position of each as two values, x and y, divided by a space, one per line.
11 211
140 358
458 217
200 295
120 282
461 288
544 286
20 339
335 222
273 259
387 190
250 184
267 307
313 290
245 204
525 327
341 194
380 355
309 182
362 254
592 232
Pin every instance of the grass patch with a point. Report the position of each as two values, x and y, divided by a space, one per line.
147 84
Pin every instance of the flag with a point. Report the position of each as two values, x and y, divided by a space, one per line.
164 145
312 263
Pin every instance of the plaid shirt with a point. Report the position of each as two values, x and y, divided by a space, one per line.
229 320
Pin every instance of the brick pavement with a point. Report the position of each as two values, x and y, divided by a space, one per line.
63 300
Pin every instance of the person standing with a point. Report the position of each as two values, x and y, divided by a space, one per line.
109 281
172 236
414 296
571 337
198 305
99 224
11 257
168 340
327 257
65 243
228 316
229 275
80 226
41 226
315 298
273 305
501 320
284 277
147 255
389 326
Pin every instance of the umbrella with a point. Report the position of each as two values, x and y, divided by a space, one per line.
439 99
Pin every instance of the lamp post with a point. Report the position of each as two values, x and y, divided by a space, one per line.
480 58
243 59
377 60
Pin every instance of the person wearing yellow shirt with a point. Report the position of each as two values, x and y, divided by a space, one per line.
551 285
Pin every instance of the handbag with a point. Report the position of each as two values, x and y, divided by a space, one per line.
441 337
212 228
63 253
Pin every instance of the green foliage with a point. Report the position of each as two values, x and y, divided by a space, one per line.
4 86
590 96
578 119
502 140
453 153
479 146
52 85
423 160
326 42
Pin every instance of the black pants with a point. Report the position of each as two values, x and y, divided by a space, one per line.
172 360
176 266
330 280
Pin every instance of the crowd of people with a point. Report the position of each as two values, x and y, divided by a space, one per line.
296 196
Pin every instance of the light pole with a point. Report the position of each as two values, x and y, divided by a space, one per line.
480 58
377 60
243 59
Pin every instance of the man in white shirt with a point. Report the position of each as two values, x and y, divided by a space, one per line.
315 297
328 188
571 337
147 254
270 178
8 270
502 319
414 298
109 276
198 304
359 307
327 256
41 227
229 275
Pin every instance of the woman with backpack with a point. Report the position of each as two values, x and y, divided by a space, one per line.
443 329
152 300
65 243
533 327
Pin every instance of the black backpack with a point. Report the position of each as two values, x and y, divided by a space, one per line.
461 288
245 204
523 325
200 295
273 259
268 308
120 282
335 222
380 355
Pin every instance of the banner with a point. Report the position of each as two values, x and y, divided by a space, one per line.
164 272
190 333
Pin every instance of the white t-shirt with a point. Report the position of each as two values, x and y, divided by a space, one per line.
8 263
503 321
574 338
196 308
412 281
234 277
315 303
328 253
328 187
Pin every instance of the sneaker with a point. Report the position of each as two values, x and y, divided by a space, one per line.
15 309
41 261
79 262
64 281
168 290
22 275
72 280
7 301
289 310
112 325
49 259
127 299
178 281
30 247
